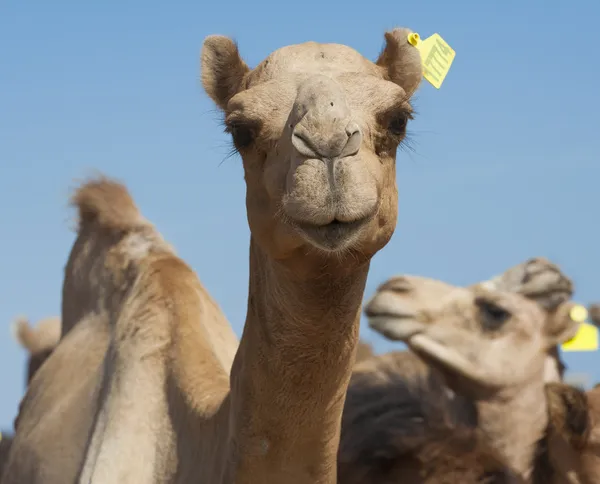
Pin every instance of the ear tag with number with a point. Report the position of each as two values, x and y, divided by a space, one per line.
436 56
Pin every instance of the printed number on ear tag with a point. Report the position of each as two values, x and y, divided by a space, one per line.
586 339
436 56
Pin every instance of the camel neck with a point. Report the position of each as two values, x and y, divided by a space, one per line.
291 372
514 422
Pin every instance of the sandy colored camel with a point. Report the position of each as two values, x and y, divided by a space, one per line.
574 434
401 423
491 347
317 126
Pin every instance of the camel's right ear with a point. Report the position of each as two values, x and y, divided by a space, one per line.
568 413
401 61
223 70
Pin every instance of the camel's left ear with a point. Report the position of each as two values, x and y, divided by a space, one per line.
568 413
401 61
223 69
563 324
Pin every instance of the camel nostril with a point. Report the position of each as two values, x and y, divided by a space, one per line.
352 129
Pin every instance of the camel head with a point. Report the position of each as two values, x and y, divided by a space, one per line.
481 339
574 433
317 127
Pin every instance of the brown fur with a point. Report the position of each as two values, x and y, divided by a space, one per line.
574 433
401 425
107 206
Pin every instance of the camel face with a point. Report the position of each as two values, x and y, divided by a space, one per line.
490 339
317 127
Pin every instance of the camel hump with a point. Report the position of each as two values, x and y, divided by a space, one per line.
107 203
45 336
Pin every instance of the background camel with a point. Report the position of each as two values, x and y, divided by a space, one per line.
156 404
491 347
114 261
398 408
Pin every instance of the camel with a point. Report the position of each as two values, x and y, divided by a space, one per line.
39 341
317 127
396 403
491 347
574 433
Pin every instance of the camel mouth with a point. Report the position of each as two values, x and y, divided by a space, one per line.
333 236
392 317
396 327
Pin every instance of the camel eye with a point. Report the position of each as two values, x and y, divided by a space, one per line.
398 124
242 135
493 317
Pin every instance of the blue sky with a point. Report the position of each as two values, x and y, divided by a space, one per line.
505 154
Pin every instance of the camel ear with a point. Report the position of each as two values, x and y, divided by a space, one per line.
537 279
568 413
223 69
563 324
401 61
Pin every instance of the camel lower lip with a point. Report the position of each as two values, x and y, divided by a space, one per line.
333 236
395 327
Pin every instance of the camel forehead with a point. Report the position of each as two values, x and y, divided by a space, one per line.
312 57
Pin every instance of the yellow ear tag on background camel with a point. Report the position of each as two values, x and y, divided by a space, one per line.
436 56
586 338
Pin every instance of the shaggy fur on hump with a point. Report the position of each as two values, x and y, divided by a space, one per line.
108 204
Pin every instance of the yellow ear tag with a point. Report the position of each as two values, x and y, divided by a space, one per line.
586 338
578 313
436 56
